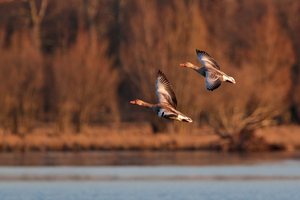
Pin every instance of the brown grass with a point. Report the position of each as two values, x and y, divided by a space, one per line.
286 137
105 138
133 137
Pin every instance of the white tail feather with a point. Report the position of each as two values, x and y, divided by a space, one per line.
229 79
184 118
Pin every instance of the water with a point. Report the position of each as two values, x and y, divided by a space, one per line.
138 190
264 180
139 158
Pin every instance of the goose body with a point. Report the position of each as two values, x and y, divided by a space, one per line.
210 69
167 102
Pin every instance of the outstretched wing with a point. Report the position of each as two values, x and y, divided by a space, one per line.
164 91
212 80
206 59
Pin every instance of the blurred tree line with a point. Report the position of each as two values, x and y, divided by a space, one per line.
77 63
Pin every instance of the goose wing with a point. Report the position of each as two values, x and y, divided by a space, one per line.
166 113
206 60
212 80
172 113
164 91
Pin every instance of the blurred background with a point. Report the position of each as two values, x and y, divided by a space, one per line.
68 70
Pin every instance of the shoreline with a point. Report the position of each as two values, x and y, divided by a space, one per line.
138 138
142 158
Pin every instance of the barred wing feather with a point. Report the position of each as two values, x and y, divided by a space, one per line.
206 60
164 91
212 80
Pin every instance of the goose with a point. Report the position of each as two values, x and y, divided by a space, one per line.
167 102
210 70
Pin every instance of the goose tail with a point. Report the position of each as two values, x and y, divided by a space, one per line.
229 79
184 118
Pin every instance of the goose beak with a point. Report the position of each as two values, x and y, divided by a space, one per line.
182 65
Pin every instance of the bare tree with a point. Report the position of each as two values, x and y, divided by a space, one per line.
37 14
263 84
21 83
86 84
288 11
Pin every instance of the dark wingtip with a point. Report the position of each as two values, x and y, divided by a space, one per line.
160 73
201 52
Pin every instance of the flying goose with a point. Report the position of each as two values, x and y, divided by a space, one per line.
167 103
210 70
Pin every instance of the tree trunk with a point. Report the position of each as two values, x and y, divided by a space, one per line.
37 15
77 120
15 121
36 36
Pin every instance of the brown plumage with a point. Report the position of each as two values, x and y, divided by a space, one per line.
210 70
167 102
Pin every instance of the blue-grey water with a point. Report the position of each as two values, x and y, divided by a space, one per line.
149 190
264 180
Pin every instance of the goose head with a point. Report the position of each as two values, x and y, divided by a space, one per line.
188 65
137 102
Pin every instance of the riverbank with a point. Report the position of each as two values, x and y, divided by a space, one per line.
285 138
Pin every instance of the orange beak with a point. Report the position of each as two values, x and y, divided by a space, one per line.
182 65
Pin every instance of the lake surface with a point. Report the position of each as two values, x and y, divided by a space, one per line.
140 158
236 178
